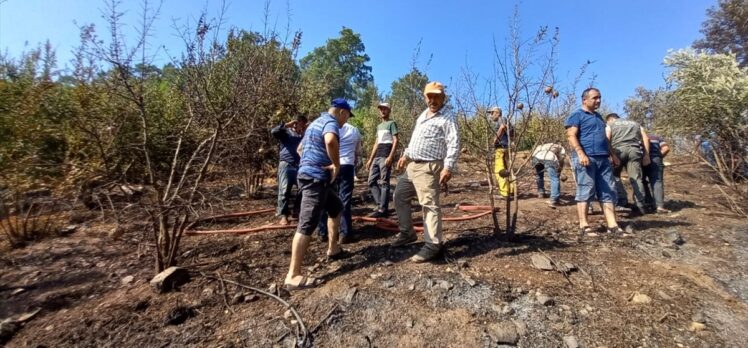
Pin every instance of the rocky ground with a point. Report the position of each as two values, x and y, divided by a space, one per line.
679 280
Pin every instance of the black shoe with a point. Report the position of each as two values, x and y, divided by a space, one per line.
404 239
378 214
345 239
323 238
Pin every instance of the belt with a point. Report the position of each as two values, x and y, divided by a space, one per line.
425 161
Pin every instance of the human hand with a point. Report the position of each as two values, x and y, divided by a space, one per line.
445 175
646 161
616 161
333 172
388 162
584 160
401 163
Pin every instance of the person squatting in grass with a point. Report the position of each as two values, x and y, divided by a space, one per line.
319 167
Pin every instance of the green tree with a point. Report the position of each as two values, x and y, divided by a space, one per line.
647 106
337 69
726 29
407 101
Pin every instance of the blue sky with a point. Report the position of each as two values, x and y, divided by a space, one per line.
627 40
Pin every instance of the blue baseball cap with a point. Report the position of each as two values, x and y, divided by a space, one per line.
341 103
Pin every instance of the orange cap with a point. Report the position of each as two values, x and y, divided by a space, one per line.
434 87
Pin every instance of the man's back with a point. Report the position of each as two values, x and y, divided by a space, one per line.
313 151
625 133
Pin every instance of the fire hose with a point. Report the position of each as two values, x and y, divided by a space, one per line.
380 223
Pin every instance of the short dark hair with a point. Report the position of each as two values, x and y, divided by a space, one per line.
302 118
612 115
587 91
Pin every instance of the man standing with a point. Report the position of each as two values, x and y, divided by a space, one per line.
549 158
350 147
501 144
654 174
626 138
429 161
585 130
289 135
380 160
320 166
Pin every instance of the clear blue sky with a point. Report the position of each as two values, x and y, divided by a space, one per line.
627 40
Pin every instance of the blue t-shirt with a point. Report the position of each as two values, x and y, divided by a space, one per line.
289 141
313 151
591 133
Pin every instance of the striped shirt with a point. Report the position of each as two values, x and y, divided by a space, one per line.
435 138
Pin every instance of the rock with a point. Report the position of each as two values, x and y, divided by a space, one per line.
639 298
8 328
288 314
544 299
665 253
273 288
170 279
127 280
429 283
507 310
463 263
664 296
387 263
350 294
571 342
69 229
504 332
237 298
409 323
412 286
541 262
694 327
207 292
698 317
673 237
18 291
179 315
470 281
629 229
388 284
521 327
251 298
445 285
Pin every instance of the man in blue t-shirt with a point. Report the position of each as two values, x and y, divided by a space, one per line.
590 152
320 165
289 135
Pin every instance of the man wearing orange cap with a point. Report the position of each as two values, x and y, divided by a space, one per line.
429 161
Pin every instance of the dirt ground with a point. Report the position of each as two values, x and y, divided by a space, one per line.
93 290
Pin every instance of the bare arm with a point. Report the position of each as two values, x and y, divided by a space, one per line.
645 140
333 151
571 136
499 133
664 149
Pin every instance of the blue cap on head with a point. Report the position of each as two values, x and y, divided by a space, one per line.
341 103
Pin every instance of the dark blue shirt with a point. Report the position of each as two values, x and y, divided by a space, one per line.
289 142
313 150
591 132
503 141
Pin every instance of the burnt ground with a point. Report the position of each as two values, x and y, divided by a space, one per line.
93 289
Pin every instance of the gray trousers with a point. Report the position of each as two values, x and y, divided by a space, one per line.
631 159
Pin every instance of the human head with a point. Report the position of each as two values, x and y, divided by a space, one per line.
435 95
495 113
591 99
341 110
301 123
384 110
610 118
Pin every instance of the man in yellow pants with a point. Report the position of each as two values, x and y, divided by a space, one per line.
501 144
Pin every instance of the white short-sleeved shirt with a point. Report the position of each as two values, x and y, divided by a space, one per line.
350 137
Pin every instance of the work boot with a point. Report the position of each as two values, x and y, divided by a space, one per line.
429 252
403 239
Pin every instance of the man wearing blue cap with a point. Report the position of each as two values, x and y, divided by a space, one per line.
319 166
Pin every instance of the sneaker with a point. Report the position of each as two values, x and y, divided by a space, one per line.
427 253
404 239
553 204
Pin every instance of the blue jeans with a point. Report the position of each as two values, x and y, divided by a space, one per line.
379 183
594 180
551 168
286 181
344 185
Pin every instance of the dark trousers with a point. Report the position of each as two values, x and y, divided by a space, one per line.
631 159
654 187
344 186
379 183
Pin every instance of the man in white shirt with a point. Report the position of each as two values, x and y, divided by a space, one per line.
549 158
350 148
